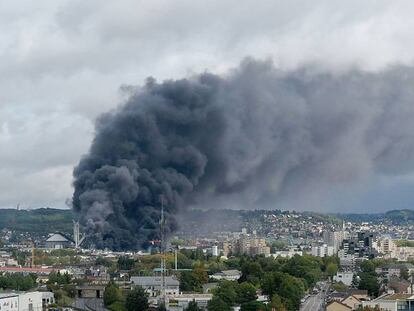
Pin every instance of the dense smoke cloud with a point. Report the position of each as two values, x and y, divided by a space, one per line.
247 138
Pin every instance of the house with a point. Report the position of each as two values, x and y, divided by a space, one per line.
357 294
58 241
400 286
394 270
352 302
361 294
344 277
392 302
337 306
152 284
26 270
339 296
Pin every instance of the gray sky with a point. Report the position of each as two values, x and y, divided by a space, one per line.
63 62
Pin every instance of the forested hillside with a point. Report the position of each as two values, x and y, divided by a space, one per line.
41 221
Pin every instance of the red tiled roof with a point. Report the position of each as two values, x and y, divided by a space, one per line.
26 269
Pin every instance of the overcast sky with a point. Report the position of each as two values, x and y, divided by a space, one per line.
62 63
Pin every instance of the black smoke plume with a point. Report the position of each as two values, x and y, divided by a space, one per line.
245 139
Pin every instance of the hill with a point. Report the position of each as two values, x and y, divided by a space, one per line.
40 221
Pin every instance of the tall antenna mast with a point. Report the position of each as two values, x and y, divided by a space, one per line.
162 233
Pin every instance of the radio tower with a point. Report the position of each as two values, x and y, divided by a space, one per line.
162 249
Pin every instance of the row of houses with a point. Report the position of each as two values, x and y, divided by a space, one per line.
347 301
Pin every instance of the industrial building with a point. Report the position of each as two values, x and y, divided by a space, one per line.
58 241
152 284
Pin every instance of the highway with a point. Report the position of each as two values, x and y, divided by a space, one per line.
315 302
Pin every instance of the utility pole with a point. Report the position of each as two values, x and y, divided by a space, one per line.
162 249
176 258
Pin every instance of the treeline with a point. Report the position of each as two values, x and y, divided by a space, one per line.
17 281
284 281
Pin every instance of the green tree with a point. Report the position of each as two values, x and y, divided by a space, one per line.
188 282
227 292
289 288
368 266
251 272
404 274
246 292
161 307
58 278
217 304
137 300
200 274
368 278
331 269
369 282
192 306
306 267
253 306
355 281
112 294
278 245
125 263
101 261
276 303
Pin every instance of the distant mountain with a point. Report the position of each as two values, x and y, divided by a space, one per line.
40 221
48 220
394 216
404 215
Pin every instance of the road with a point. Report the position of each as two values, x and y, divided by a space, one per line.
90 304
315 302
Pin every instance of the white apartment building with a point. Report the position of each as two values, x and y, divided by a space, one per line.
25 301
344 277
9 302
322 250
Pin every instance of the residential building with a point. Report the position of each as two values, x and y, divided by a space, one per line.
9 302
287 253
385 245
33 301
323 250
392 302
353 302
337 306
345 277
